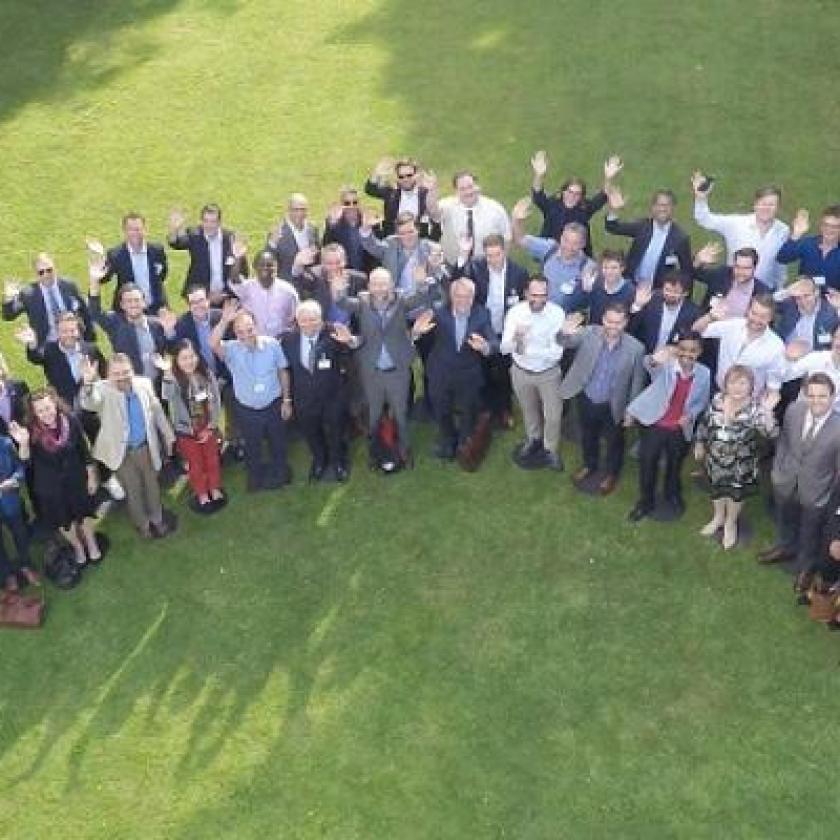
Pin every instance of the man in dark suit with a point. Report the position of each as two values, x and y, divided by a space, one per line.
500 283
607 373
294 238
737 283
408 196
315 282
657 317
659 244
14 394
44 300
463 336
139 336
805 469
317 357
343 227
211 250
137 261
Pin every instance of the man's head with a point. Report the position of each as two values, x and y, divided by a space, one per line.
572 191
134 230
309 317
494 251
406 227
766 203
612 267
739 382
806 295
198 302
462 293
349 198
689 346
830 225
406 171
662 206
67 329
265 266
674 289
537 294
298 209
614 321
760 314
744 261
466 186
45 269
244 328
131 302
819 393
380 285
333 259
211 219
572 241
120 371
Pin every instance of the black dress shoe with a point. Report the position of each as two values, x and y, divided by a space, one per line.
776 554
528 448
341 473
445 451
676 504
316 472
639 512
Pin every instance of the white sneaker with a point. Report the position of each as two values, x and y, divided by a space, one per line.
115 489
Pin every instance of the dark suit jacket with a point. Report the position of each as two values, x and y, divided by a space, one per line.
824 324
322 384
718 281
122 334
198 272
676 253
18 392
185 328
118 264
516 280
311 285
645 323
556 215
349 237
447 362
57 369
390 196
31 301
286 248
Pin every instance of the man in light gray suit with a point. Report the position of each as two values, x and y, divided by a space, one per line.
606 375
400 253
294 239
387 351
804 473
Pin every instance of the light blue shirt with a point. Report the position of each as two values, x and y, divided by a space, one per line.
563 276
255 371
140 270
647 267
136 421
384 362
307 348
460 330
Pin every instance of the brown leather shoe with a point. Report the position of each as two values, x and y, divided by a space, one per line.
802 583
775 554
581 474
609 483
505 420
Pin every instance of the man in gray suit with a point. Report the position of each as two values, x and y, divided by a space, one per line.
804 472
294 239
606 375
387 351
400 253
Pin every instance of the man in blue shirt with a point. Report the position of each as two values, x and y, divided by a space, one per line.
818 256
262 396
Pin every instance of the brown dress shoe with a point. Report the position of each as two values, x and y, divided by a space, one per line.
581 474
776 554
609 484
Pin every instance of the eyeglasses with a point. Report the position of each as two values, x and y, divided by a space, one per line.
403 175
350 203
43 271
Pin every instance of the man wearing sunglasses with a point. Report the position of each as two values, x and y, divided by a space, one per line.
44 300
408 196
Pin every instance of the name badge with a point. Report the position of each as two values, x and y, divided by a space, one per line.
324 363
512 300
201 396
820 281
824 338
671 260
259 387
567 288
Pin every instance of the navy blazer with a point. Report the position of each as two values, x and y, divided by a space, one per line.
286 248
118 264
718 281
445 359
645 323
676 253
516 280
323 383
824 324
556 215
428 228
198 272
57 369
31 301
123 336
18 392
185 329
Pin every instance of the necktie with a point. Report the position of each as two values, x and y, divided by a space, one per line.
810 432
55 301
310 362
471 228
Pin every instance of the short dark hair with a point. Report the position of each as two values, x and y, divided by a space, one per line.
212 208
493 240
767 190
406 161
264 256
748 252
405 218
613 255
676 278
574 181
831 210
193 288
764 300
123 290
669 194
687 334
820 378
462 173
133 216
615 306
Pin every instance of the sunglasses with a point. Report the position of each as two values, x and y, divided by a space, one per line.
403 175
350 203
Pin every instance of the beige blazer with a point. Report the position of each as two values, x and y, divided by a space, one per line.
109 403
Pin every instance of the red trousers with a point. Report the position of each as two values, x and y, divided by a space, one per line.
203 463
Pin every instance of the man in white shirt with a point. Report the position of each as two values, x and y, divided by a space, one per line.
801 363
468 214
760 229
530 337
747 341
294 236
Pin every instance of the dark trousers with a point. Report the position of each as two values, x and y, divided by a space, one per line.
497 388
17 528
799 529
597 422
450 392
323 424
654 444
257 425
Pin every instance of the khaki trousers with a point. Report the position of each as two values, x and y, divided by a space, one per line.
538 395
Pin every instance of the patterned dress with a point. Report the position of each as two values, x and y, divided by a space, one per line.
732 448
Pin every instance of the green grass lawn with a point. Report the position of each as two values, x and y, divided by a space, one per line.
437 655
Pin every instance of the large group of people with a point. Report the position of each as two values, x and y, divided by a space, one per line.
319 332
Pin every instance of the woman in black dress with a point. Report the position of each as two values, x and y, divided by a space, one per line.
64 476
